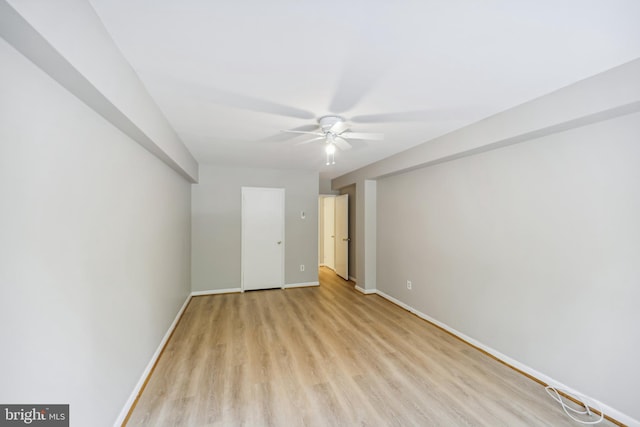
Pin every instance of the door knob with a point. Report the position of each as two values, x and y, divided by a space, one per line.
280 242
346 240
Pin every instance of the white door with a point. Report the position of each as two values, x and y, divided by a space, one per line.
329 232
342 236
262 238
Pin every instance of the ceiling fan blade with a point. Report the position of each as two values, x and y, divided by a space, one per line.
283 136
355 83
341 143
307 128
363 66
227 98
406 116
309 140
255 104
362 135
339 127
303 131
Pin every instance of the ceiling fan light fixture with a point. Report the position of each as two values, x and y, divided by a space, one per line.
330 149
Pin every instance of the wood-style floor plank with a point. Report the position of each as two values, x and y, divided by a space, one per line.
329 356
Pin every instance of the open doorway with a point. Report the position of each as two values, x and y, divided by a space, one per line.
327 234
334 233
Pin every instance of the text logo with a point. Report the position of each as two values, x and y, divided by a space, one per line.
34 415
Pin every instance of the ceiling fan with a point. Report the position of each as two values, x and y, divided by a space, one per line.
335 132
353 85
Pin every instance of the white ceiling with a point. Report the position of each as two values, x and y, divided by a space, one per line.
230 75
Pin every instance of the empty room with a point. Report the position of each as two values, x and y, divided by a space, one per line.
297 213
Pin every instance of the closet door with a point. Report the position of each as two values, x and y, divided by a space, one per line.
262 238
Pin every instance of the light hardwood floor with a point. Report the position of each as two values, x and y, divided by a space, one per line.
327 356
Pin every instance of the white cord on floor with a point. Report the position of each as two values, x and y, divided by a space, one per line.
555 395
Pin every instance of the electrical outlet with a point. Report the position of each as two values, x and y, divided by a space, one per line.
409 284
301 267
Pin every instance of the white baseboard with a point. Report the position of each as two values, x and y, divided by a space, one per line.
301 285
365 291
611 412
216 291
238 290
353 279
134 394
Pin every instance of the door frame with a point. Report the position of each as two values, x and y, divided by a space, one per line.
341 266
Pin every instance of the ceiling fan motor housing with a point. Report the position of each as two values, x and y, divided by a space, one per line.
327 122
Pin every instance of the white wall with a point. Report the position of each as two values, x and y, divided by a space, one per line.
216 210
533 250
449 200
325 186
94 70
94 249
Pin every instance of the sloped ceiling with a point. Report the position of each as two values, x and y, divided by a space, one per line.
230 75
